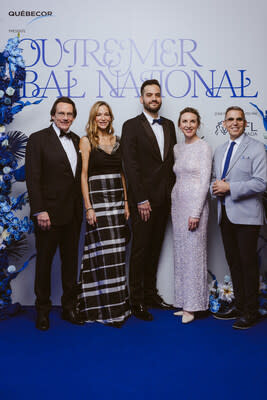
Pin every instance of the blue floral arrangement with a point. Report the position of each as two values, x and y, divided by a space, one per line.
12 150
221 294
262 254
263 294
12 78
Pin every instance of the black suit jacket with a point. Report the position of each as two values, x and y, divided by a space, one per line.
149 177
49 177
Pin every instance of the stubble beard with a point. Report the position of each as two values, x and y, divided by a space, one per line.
152 110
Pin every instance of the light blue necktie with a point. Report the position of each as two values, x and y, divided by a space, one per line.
227 160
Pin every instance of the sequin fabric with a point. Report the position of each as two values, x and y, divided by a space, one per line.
189 198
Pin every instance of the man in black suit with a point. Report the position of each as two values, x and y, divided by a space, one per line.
147 146
53 170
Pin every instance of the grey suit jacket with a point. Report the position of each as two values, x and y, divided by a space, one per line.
247 176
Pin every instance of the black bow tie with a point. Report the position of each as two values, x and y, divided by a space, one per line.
157 121
63 133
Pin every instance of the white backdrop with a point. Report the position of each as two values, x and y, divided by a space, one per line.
207 54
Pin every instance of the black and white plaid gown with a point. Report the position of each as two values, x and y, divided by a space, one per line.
104 294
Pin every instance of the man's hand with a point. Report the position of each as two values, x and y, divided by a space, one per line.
43 221
144 210
220 187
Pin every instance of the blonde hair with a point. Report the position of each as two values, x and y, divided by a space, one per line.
91 126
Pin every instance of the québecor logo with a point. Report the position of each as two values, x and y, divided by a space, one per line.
30 13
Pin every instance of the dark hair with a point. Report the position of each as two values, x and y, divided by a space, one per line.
190 110
149 82
235 108
63 100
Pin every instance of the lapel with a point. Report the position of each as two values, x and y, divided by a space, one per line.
167 138
152 138
154 143
220 159
55 145
76 141
241 148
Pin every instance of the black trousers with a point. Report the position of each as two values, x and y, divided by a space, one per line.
67 238
146 247
240 245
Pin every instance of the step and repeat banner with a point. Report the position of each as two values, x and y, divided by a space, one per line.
206 54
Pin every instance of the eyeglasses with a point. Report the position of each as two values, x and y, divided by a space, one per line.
239 119
62 114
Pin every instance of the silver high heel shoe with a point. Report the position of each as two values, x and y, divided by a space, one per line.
178 313
188 318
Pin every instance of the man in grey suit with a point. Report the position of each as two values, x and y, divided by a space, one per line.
239 180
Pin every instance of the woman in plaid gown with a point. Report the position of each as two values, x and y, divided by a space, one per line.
103 296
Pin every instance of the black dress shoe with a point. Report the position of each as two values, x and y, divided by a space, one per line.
246 321
42 321
232 313
139 311
72 316
158 302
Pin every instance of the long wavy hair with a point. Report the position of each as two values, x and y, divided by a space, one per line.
91 126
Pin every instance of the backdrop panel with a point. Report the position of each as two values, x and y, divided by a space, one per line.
206 54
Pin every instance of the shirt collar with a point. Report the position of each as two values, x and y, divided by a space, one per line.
57 130
149 118
238 140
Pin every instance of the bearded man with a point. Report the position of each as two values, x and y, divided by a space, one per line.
147 147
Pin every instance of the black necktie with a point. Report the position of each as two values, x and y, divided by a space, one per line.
157 121
63 133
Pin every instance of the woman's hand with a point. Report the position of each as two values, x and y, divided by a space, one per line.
91 217
126 211
193 223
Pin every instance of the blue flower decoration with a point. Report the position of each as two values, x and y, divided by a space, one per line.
214 306
12 149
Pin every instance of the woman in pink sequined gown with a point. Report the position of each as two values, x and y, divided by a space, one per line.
193 160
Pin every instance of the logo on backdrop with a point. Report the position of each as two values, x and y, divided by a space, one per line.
37 14
118 67
30 13
264 118
250 130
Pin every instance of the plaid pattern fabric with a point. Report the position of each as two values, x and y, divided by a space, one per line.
104 294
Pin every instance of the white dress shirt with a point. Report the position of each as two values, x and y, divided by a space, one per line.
237 143
158 131
69 148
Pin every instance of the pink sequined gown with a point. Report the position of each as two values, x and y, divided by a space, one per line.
189 198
